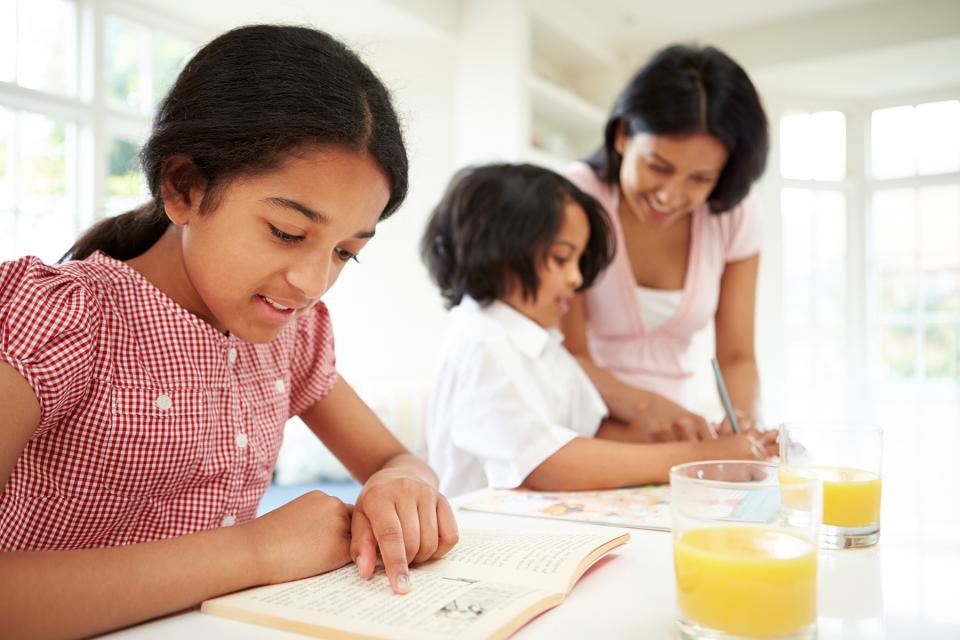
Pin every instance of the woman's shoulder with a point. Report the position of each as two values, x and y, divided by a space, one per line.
740 229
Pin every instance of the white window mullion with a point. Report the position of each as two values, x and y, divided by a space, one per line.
856 263
89 180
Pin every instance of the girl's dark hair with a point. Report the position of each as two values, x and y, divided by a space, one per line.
242 105
686 90
495 224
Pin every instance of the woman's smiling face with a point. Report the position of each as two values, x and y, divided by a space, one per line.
664 178
276 241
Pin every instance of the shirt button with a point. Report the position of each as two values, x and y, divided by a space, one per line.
163 402
241 441
228 521
231 355
280 386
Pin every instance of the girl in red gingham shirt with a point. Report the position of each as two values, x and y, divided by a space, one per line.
145 383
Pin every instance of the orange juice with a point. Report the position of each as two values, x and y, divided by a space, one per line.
748 581
851 497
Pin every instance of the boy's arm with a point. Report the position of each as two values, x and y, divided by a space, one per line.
590 463
96 590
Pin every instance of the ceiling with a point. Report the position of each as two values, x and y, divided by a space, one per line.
852 48
627 24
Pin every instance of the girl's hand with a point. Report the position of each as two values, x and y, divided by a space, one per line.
406 518
303 538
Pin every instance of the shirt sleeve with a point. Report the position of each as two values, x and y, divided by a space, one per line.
49 332
313 363
494 421
743 231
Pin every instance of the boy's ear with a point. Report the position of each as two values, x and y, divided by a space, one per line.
181 187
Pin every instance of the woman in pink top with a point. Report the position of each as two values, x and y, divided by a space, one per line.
144 384
685 141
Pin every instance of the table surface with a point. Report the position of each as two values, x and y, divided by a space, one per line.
901 588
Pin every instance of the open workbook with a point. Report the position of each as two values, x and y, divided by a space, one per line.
488 586
634 507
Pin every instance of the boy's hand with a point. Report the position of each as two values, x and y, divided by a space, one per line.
661 420
303 538
406 518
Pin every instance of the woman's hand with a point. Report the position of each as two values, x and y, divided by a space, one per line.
749 444
658 419
745 422
406 518
303 538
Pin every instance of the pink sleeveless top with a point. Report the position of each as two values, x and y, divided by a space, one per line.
658 360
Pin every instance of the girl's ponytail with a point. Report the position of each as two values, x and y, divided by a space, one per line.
122 237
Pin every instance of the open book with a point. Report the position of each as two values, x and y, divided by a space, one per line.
488 586
635 507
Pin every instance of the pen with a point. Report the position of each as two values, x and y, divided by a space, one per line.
724 396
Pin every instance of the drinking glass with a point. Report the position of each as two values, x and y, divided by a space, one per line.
846 458
745 562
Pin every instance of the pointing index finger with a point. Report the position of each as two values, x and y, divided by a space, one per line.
389 534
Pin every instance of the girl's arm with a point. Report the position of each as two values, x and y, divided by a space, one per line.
96 590
585 464
399 509
659 417
735 335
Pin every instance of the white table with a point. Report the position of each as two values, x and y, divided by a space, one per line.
898 589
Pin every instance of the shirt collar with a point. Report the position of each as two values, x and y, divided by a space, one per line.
528 336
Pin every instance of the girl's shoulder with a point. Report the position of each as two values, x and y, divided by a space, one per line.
30 285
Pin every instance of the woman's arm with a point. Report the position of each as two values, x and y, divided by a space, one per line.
660 418
399 509
96 590
735 335
585 464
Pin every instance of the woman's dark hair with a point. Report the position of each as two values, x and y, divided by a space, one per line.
242 105
494 226
686 90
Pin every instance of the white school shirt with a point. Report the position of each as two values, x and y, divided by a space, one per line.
508 396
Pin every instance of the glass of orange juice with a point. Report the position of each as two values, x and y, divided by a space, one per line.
846 458
745 563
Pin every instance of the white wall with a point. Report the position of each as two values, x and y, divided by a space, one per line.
387 314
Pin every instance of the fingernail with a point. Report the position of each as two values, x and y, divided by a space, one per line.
403 583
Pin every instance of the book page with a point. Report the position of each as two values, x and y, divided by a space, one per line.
635 507
535 559
343 605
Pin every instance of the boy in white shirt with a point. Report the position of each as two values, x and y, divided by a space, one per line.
509 246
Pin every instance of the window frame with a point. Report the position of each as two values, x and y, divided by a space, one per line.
95 120
859 188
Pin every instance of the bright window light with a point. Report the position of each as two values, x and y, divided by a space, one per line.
813 146
46 44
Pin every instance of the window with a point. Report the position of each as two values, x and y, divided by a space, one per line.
140 64
869 263
41 45
914 273
813 210
68 151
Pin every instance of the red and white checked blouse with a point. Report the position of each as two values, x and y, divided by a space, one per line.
153 423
